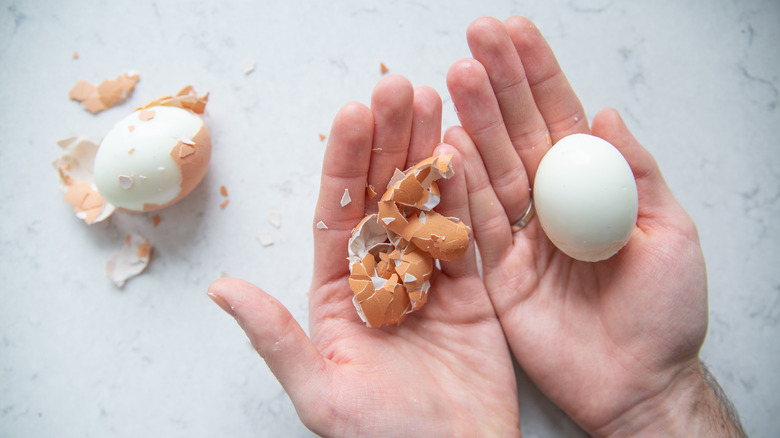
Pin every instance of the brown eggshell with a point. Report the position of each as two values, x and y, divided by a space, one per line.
193 160
392 252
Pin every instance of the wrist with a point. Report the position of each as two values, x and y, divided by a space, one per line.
688 406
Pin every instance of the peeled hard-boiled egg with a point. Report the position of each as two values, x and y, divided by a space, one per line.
585 197
153 158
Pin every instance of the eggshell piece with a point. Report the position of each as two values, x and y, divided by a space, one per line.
75 169
345 199
110 92
275 219
585 197
171 151
186 98
129 261
443 238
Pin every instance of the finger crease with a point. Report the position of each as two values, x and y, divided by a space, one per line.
506 177
529 139
487 129
518 84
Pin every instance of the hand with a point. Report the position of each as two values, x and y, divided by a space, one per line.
446 370
615 344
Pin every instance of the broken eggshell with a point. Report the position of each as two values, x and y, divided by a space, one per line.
153 158
74 168
391 253
110 92
129 261
406 208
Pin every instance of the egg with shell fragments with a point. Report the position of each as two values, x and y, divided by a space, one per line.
152 158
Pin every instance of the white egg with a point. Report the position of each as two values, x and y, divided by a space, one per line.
585 197
152 158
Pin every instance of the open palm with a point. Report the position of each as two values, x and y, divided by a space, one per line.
605 341
446 371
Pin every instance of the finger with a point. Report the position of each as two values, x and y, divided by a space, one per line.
492 229
344 167
454 203
493 48
656 201
392 105
426 125
275 334
559 106
481 117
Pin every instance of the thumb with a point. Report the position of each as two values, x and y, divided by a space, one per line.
274 333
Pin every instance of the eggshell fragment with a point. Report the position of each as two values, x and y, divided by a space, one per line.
391 253
265 238
275 219
75 169
129 261
370 191
249 66
345 199
186 98
110 92
585 197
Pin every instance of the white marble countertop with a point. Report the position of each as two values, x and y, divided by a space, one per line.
696 81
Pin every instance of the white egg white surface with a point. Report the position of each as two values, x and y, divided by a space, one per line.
134 166
585 197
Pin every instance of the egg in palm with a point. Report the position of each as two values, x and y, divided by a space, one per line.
585 197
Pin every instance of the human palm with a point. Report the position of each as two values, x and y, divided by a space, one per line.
446 371
601 339
604 341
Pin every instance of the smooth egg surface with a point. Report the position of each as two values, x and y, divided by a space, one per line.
585 197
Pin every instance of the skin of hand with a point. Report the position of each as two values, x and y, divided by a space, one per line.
446 370
615 344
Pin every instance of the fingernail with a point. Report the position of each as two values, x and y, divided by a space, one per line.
219 301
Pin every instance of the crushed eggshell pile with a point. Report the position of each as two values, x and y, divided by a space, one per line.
110 92
392 252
